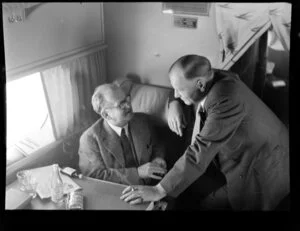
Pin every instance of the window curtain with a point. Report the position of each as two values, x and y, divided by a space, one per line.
280 16
237 23
69 88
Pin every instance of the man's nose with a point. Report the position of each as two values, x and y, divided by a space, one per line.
176 94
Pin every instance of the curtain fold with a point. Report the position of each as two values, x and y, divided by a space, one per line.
237 23
69 88
280 16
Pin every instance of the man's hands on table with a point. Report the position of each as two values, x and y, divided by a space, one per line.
139 194
154 169
160 162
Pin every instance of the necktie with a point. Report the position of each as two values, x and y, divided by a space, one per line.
203 117
127 150
199 122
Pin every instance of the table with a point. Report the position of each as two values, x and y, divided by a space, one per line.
98 195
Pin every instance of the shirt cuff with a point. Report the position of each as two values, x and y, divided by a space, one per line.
161 190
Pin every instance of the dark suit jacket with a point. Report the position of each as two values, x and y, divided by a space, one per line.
101 155
251 145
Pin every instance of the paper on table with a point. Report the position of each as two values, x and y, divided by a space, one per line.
43 177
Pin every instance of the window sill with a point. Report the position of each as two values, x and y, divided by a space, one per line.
41 156
52 153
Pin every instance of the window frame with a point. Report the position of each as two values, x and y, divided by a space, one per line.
53 131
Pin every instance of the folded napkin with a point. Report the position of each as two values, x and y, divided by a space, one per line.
43 178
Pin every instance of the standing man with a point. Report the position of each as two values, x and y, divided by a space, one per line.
120 147
234 128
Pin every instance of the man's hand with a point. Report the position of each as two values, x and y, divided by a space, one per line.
160 162
176 118
139 194
149 170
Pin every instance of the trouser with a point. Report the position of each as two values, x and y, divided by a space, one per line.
204 189
217 200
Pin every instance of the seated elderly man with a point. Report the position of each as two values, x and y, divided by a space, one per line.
120 147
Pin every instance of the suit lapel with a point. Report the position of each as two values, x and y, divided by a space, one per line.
196 129
112 142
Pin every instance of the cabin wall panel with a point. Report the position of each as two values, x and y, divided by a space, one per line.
51 30
143 41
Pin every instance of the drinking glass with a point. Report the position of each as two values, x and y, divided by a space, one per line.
23 179
31 186
27 182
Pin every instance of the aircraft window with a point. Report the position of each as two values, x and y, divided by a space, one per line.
28 123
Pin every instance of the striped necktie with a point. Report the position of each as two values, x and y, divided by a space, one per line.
127 150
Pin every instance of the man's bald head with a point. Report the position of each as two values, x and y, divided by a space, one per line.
191 66
191 76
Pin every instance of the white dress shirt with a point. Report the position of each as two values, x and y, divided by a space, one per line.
117 129
196 129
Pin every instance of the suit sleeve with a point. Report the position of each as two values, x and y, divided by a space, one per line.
171 98
91 164
158 149
224 115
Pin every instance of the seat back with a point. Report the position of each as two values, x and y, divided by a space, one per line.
153 100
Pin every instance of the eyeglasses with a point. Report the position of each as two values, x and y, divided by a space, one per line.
123 104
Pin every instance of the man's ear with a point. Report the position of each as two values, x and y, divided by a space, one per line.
105 115
201 84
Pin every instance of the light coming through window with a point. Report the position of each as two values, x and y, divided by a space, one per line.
28 123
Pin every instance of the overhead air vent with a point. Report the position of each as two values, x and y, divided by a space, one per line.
190 8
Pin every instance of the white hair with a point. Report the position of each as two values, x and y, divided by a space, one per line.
98 100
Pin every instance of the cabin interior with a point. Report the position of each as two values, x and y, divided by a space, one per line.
57 53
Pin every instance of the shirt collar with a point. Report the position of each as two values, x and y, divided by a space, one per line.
117 129
200 105
202 102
